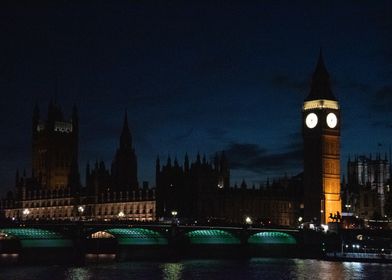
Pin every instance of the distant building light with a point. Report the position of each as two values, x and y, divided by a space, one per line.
174 213
121 214
300 219
81 209
248 220
26 211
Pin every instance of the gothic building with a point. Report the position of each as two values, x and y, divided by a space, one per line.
55 149
54 190
368 184
321 136
185 189
192 191
123 175
124 166
200 191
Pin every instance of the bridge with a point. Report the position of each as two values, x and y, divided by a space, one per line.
121 241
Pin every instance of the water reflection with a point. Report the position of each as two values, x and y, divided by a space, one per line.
352 270
78 273
255 268
172 271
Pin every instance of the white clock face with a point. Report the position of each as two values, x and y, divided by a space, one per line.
332 120
311 120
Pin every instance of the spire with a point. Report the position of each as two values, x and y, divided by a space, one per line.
168 164
321 86
17 177
88 170
186 162
35 117
125 138
243 184
157 165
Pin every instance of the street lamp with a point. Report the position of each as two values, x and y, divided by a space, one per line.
121 214
174 214
248 220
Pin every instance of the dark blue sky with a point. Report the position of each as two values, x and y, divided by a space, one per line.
195 77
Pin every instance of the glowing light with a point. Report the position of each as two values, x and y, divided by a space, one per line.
320 104
121 214
248 220
311 120
300 219
174 213
101 234
324 227
26 211
332 120
80 209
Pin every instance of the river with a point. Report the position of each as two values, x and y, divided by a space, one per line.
255 268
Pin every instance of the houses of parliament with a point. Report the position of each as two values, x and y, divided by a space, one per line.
198 190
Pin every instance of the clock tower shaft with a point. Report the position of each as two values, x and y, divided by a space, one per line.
321 149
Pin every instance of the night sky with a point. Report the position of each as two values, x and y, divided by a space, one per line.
194 77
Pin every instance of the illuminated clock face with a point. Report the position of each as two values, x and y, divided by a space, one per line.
332 120
311 120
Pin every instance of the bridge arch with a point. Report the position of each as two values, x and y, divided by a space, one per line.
272 238
36 237
131 236
212 236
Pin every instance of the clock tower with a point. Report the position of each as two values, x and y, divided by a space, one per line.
321 136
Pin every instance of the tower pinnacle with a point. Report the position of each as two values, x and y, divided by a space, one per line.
321 85
125 138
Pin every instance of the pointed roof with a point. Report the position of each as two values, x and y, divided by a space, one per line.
126 138
321 85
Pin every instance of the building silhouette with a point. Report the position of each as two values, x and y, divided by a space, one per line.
321 136
55 149
367 186
198 191
54 190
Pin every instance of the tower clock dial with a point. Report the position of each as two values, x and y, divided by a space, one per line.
311 120
332 120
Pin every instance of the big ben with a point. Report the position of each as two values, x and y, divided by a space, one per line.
321 137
